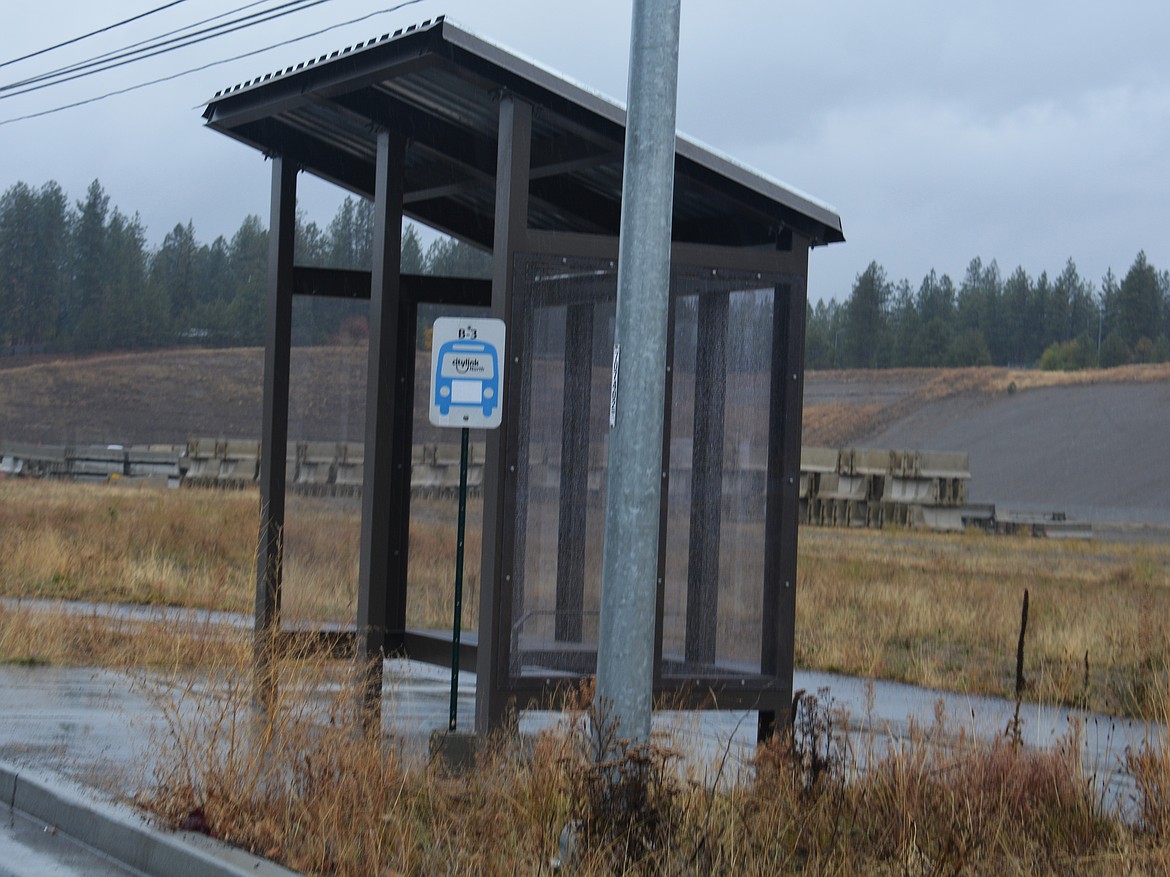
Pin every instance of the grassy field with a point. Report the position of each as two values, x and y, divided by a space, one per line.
307 787
944 611
935 610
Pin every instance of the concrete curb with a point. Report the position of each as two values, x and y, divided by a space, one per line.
122 834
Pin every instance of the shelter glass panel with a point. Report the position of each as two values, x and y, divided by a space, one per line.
326 420
721 390
567 308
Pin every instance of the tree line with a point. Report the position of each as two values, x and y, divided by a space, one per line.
1061 323
81 278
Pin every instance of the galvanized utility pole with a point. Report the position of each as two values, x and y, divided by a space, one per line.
625 660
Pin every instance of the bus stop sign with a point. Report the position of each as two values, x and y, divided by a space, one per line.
467 372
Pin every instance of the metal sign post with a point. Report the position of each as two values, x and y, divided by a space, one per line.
457 622
467 382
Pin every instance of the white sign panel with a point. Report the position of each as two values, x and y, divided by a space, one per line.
467 372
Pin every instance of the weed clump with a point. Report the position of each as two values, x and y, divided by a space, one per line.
935 802
308 785
623 796
961 805
1149 765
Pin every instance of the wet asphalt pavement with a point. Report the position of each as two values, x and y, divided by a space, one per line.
97 726
98 729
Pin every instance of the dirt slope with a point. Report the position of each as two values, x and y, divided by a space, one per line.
1097 452
166 397
1092 444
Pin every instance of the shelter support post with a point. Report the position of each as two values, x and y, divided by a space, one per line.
381 613
664 494
578 379
274 429
502 556
783 486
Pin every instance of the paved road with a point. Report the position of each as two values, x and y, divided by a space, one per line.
29 848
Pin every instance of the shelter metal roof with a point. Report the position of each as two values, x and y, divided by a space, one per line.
441 84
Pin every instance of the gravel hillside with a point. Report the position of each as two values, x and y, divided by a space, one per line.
1096 452
1094 448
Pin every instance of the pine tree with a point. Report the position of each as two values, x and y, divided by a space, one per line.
1069 311
33 229
311 246
447 257
351 235
131 317
1139 300
1013 325
979 308
81 312
173 273
823 336
413 261
248 264
906 327
935 306
865 332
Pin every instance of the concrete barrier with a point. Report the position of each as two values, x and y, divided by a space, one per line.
850 487
864 487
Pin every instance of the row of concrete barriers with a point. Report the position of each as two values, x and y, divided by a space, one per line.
851 487
90 462
857 487
313 468
325 468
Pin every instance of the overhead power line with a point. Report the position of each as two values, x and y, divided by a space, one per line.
106 55
92 33
210 64
159 47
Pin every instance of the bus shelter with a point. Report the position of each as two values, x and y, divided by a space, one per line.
442 126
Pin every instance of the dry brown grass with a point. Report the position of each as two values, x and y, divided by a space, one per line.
1149 765
306 786
836 423
940 611
944 611
1130 374
936 803
38 635
114 544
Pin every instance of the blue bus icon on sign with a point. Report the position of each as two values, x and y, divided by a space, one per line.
468 376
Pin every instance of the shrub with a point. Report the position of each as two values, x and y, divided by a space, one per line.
1069 355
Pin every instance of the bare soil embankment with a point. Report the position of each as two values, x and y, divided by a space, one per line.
1088 443
168 396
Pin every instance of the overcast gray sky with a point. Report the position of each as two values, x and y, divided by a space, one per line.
1026 132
